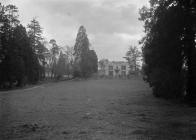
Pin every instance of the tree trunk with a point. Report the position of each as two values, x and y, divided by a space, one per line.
191 65
191 78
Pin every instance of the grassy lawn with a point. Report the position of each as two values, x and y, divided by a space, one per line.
93 110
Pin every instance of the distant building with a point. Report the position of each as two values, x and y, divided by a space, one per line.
113 68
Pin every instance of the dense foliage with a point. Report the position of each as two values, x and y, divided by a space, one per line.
18 62
133 57
25 59
169 48
85 59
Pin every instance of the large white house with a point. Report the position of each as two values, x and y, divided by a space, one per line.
113 68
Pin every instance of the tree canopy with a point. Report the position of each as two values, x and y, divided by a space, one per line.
25 59
133 56
169 47
85 62
18 62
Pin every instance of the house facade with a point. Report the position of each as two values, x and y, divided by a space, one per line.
114 69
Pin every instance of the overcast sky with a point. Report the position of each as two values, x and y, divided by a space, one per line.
112 25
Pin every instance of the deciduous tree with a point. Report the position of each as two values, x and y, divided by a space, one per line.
133 56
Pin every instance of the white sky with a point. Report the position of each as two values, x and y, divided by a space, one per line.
112 25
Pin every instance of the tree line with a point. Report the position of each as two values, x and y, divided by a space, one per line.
25 57
169 48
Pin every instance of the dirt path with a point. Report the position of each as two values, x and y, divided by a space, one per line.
93 110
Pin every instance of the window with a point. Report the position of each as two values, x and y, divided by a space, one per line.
110 67
123 73
110 73
123 67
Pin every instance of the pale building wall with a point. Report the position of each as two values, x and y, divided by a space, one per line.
117 69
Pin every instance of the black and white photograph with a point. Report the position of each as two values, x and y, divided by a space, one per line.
97 70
